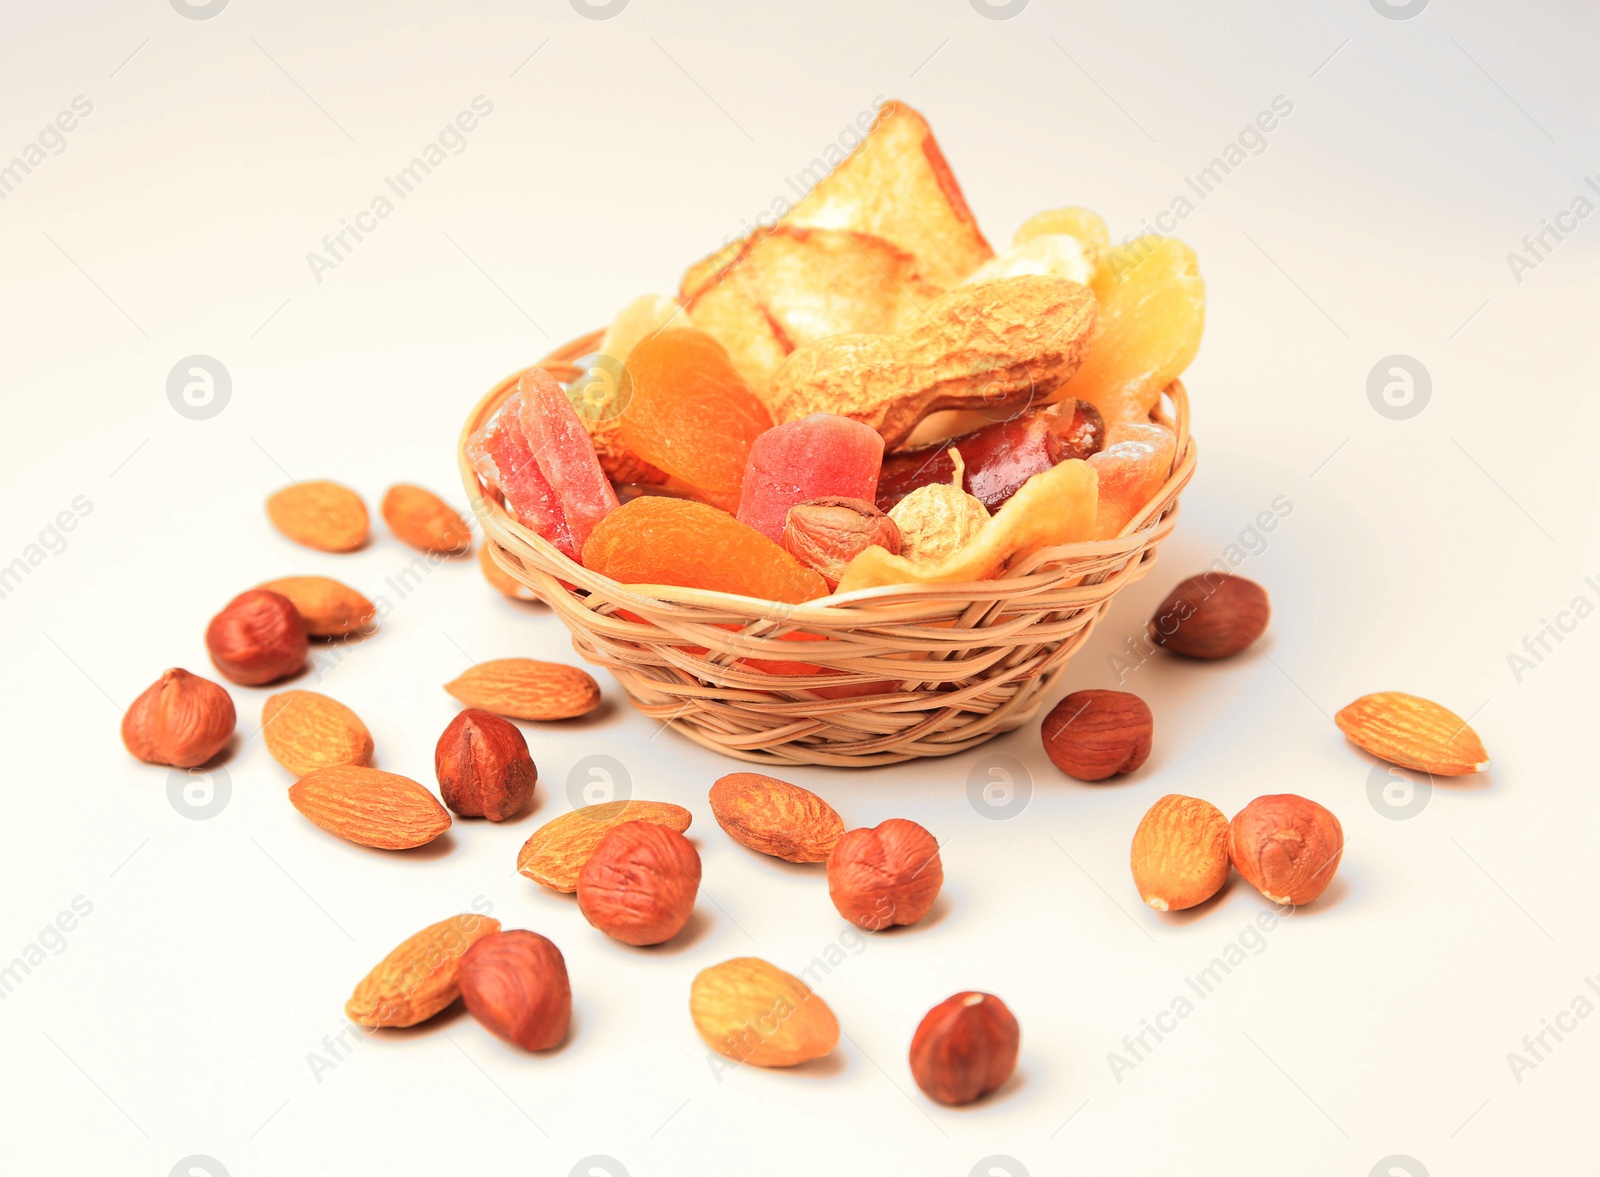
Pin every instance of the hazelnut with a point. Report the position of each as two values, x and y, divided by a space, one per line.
827 533
515 984
1211 616
964 1048
258 638
1180 853
1092 735
890 874
181 719
483 766
1286 846
639 884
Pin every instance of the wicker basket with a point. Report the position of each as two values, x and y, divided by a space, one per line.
947 666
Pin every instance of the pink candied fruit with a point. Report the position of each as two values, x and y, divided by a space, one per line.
1131 469
501 455
819 456
564 453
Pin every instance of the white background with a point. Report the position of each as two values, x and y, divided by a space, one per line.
181 1014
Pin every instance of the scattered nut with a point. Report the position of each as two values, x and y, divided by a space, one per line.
1180 853
754 1012
420 977
370 808
1413 733
1092 735
887 875
320 515
827 533
499 579
258 638
775 817
1211 616
483 766
305 731
329 609
422 519
181 719
639 884
1286 847
523 688
557 851
964 1048
515 984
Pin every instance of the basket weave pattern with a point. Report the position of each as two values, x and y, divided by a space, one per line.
946 666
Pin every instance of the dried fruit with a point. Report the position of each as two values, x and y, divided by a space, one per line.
328 608
564 453
1286 846
826 534
558 849
258 638
887 875
599 395
656 540
1085 226
1131 469
938 520
420 977
306 731
501 580
370 808
1058 255
515 984
422 519
502 457
483 766
979 347
524 688
181 719
1214 615
1180 853
320 515
820 456
639 884
964 1048
1413 733
1092 735
775 817
754 1012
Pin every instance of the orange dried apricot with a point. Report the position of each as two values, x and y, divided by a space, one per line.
658 540
689 413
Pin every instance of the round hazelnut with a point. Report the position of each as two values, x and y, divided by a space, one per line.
515 984
483 766
1092 735
1286 846
827 533
1211 616
258 638
639 884
965 1047
182 720
889 874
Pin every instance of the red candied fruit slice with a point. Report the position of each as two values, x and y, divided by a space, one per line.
564 453
502 457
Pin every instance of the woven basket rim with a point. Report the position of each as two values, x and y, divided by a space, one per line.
1048 564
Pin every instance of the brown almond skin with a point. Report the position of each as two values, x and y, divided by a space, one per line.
753 1012
775 817
1180 853
525 688
181 719
1094 735
483 766
422 519
306 731
515 984
369 807
965 1047
329 608
557 851
420 976
1286 846
639 884
1211 616
258 638
889 874
320 514
1413 732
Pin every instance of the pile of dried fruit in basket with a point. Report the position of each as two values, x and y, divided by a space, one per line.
863 394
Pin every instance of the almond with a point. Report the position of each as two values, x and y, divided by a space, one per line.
329 609
754 1012
775 817
522 688
501 580
558 850
182 720
370 808
420 977
1413 733
1180 853
320 515
422 519
306 731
